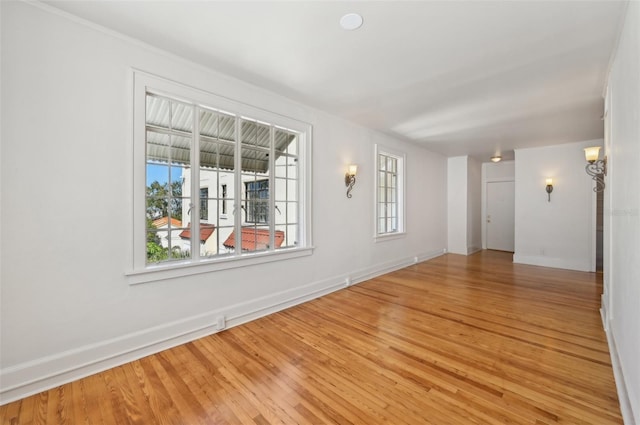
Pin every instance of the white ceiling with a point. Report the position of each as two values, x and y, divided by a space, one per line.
459 77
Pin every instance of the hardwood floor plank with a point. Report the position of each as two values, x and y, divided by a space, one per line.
454 340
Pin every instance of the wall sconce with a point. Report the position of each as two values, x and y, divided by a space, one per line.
350 178
549 188
596 168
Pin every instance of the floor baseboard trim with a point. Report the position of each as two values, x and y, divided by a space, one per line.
557 263
626 408
39 375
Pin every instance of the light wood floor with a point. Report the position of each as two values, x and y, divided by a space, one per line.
455 340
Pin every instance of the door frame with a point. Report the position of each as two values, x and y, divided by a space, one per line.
484 204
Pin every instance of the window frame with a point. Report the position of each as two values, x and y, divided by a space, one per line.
400 157
140 271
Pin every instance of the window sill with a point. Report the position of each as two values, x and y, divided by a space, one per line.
179 269
389 236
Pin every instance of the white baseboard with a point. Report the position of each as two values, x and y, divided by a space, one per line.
32 377
473 250
626 407
557 263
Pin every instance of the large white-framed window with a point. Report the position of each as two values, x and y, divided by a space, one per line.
217 183
389 193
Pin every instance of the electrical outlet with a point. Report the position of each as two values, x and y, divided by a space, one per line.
220 323
347 281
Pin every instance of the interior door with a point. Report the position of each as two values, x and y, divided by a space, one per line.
501 215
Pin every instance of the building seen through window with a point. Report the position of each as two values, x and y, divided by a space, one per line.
207 157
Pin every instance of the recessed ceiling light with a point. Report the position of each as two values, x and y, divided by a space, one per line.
496 158
351 21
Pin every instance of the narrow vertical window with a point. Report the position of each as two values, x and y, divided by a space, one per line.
204 203
224 198
389 193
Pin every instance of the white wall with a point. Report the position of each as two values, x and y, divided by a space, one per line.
560 233
463 205
474 206
457 205
67 309
493 172
464 233
622 216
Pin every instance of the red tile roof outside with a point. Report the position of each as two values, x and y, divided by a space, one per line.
206 230
254 239
164 221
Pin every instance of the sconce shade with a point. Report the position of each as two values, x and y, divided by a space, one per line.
549 182
596 168
592 154
353 169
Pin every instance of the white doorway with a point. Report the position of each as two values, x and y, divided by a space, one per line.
500 219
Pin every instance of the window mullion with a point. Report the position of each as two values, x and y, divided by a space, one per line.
237 201
272 187
195 186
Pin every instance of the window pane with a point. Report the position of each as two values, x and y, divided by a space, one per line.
157 147
381 225
382 179
292 190
178 178
208 154
291 235
226 127
292 212
292 149
209 123
281 167
210 247
204 203
382 209
226 156
281 140
391 164
390 193
281 236
180 152
281 189
256 203
226 181
255 161
281 213
226 240
389 181
255 238
158 111
382 162
381 194
182 117
179 243
157 173
255 134
292 167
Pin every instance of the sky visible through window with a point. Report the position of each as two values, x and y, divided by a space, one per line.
159 174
